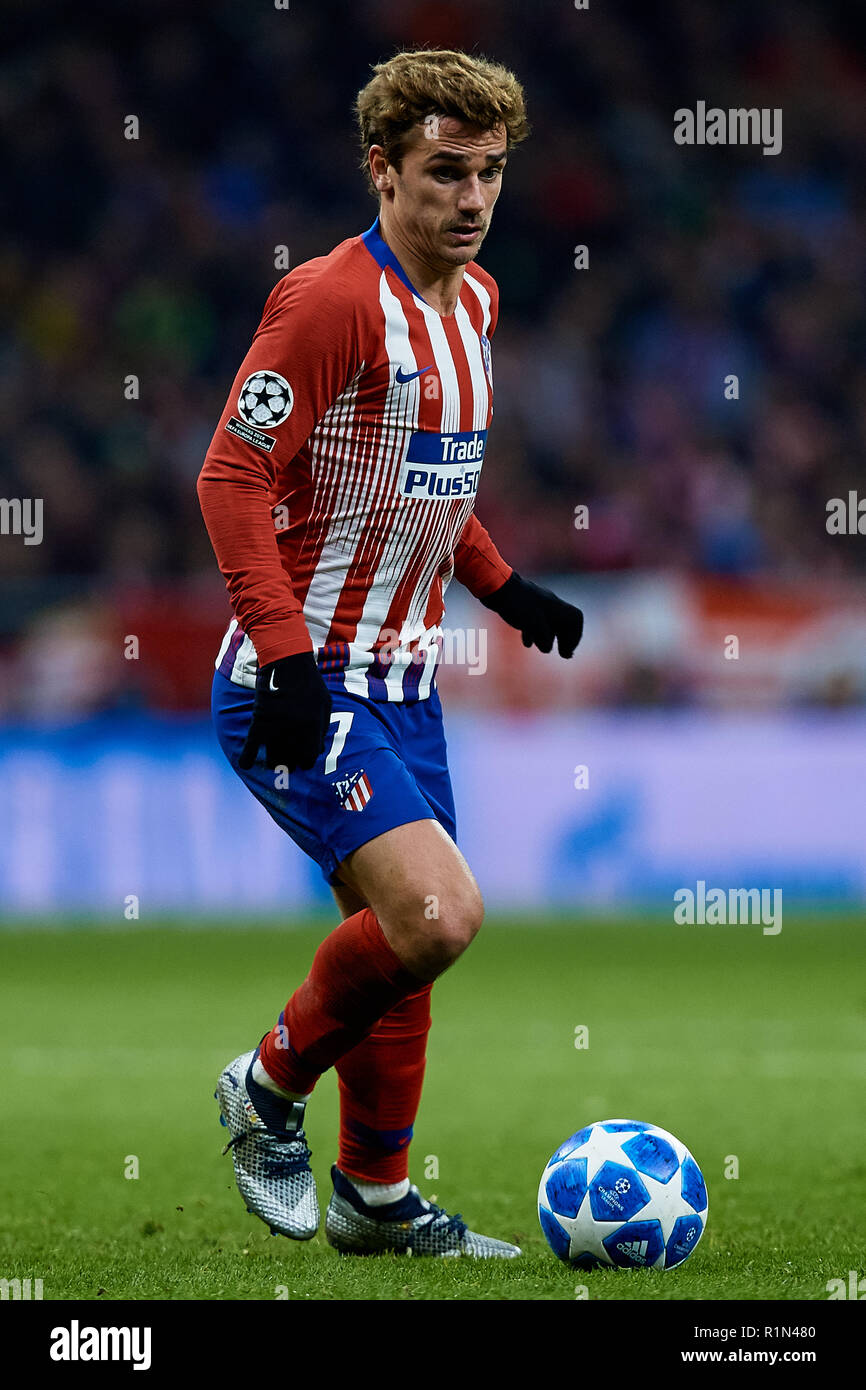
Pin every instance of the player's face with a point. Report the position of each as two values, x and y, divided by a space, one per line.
444 192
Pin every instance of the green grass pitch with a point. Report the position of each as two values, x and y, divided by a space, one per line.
741 1044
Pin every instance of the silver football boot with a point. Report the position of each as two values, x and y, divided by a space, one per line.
269 1150
412 1226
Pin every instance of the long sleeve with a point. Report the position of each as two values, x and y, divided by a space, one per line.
306 342
477 563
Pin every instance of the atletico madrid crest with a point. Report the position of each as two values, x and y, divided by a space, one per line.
354 792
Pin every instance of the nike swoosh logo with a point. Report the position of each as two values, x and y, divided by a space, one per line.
271 685
402 377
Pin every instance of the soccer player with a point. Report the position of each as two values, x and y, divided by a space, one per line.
338 492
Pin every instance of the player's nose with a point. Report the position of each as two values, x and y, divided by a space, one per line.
471 198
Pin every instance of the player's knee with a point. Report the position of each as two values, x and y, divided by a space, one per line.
454 928
429 933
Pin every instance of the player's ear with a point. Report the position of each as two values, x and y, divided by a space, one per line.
379 169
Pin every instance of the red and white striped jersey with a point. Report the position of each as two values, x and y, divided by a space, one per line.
339 487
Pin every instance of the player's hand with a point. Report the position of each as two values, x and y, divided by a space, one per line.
290 715
537 614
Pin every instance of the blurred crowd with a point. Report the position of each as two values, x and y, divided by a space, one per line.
133 272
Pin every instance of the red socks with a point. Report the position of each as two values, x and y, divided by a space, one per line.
354 980
380 1090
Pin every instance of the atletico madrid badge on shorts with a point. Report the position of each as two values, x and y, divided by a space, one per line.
354 792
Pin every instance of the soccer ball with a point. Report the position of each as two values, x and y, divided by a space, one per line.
265 400
622 1193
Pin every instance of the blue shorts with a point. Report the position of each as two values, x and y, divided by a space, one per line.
383 765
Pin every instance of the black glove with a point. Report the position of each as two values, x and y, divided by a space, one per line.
290 715
538 615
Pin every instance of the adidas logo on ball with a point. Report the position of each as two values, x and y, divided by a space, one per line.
637 1249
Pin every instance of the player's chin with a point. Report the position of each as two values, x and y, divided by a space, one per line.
462 252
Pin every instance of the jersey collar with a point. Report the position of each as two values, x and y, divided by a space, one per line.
384 256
